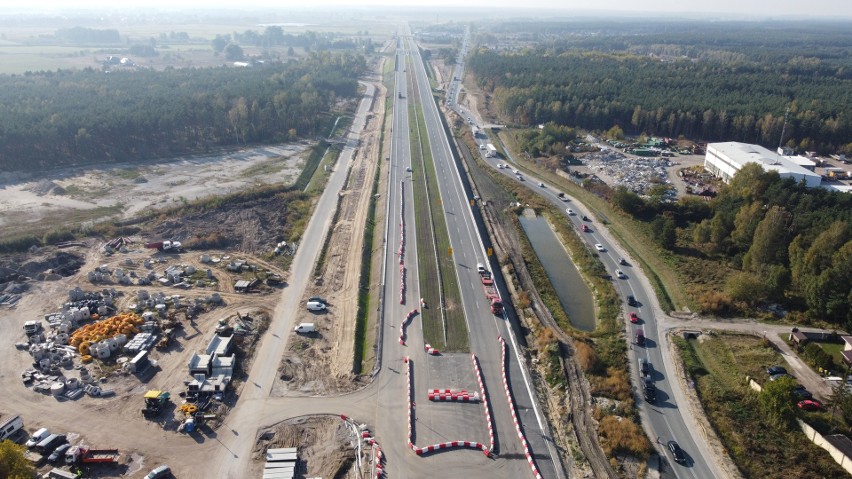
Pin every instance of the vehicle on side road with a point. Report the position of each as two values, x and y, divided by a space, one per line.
586 218
586 229
631 301
649 390
640 337
634 318
541 185
677 452
620 274
600 247
773 370
622 261
570 212
562 196
645 367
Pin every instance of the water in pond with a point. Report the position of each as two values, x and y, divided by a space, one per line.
572 291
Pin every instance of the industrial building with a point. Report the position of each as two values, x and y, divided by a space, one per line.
726 159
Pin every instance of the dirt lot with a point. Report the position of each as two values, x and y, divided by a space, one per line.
330 453
124 190
321 363
101 414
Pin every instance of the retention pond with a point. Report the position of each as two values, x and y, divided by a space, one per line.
573 293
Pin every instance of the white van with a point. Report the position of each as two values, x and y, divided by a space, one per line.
10 427
315 306
37 437
480 268
305 328
162 471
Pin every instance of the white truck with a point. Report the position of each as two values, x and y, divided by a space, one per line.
490 151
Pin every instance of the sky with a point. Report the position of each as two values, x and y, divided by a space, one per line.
750 8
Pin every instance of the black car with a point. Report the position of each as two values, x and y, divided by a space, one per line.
773 370
802 393
631 301
586 218
677 452
318 300
649 390
778 376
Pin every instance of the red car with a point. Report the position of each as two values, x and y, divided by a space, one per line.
810 405
585 229
633 318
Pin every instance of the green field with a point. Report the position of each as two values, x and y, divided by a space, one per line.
719 365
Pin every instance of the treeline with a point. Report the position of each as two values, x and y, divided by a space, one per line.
51 119
762 240
709 100
274 36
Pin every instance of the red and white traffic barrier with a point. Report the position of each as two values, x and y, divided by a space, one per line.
434 447
402 334
455 397
401 284
430 350
485 404
378 454
511 400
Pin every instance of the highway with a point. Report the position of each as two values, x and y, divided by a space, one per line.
663 419
484 326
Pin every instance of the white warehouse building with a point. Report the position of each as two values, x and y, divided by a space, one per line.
726 159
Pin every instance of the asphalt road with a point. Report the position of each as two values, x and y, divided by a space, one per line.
484 327
663 419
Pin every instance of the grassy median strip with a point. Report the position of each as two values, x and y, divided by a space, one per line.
457 340
427 267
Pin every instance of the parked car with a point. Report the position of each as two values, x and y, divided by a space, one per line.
305 328
315 306
809 405
600 247
677 452
631 301
778 376
802 393
570 212
773 370
159 472
318 300
37 437
620 274
48 444
58 453
634 318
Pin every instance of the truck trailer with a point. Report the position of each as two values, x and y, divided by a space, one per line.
491 293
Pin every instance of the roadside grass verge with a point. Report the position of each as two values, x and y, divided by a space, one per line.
322 170
367 312
457 334
632 235
719 365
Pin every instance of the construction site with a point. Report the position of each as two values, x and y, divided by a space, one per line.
156 330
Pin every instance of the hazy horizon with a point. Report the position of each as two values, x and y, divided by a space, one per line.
730 8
